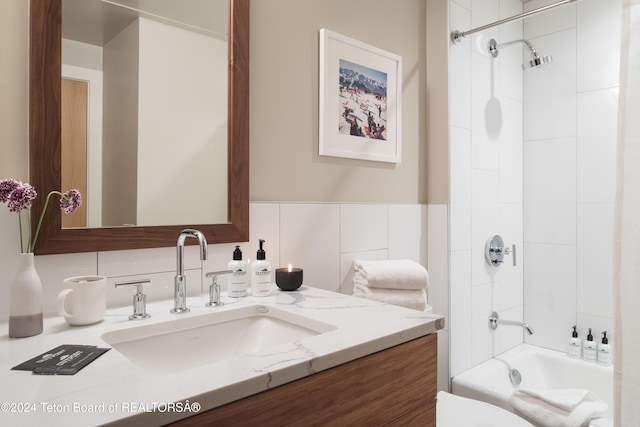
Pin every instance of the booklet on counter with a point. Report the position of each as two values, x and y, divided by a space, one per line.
63 360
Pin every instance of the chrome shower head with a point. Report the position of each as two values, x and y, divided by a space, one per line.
535 61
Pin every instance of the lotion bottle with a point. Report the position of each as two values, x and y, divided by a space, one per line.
261 274
589 348
604 351
575 344
237 287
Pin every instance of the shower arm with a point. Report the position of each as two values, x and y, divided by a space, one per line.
494 47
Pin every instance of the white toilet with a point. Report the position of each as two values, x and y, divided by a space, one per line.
457 411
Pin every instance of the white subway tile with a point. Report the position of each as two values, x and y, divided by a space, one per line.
459 321
460 188
595 259
598 31
550 189
310 239
548 22
550 91
597 147
363 227
550 294
407 232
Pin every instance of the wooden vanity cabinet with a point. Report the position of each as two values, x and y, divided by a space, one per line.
394 387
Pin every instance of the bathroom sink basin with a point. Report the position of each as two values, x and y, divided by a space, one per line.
187 342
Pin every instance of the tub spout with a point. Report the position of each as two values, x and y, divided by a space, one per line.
494 320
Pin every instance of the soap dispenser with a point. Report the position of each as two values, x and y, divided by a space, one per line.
575 344
589 348
237 287
261 274
604 351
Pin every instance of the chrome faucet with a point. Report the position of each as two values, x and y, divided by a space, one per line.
494 319
180 286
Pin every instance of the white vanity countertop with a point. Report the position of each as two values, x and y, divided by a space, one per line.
114 390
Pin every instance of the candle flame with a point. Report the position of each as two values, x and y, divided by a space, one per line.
289 267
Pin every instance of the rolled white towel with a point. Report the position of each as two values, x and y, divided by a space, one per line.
558 407
391 274
414 299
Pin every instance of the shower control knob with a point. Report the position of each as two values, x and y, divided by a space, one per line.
494 250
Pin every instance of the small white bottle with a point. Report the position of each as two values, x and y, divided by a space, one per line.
261 274
237 287
589 348
604 351
575 344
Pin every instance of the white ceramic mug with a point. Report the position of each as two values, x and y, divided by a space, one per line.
84 301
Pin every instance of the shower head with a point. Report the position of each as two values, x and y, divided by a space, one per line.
535 60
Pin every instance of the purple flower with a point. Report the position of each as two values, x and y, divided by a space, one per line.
21 198
70 201
6 188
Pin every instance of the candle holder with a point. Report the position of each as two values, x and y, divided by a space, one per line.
288 279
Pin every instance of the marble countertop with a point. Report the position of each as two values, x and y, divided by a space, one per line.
112 389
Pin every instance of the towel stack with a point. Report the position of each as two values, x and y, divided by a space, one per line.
397 282
559 407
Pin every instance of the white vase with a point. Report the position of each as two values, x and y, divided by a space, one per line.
25 309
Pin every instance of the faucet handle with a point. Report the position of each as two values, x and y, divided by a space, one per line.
139 299
214 288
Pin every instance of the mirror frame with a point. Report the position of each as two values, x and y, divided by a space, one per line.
45 28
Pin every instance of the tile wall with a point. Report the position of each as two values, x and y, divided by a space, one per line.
533 158
322 238
485 181
570 119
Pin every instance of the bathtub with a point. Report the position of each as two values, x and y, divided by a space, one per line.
539 368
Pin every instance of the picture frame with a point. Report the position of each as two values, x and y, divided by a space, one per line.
360 100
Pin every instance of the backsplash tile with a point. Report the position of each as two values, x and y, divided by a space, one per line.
311 235
405 240
310 239
363 227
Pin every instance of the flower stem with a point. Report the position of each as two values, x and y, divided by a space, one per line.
32 244
20 227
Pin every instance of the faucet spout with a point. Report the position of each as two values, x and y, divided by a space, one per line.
180 285
494 320
528 328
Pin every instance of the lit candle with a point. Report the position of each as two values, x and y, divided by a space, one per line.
289 279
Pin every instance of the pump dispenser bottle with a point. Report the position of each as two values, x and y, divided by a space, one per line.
604 351
575 344
589 348
261 274
237 287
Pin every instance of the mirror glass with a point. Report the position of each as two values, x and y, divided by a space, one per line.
144 111
46 126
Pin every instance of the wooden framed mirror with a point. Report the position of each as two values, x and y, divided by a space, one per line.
45 144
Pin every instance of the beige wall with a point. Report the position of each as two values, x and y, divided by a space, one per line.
13 89
437 113
284 101
285 164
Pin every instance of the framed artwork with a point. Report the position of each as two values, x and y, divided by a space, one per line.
360 99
